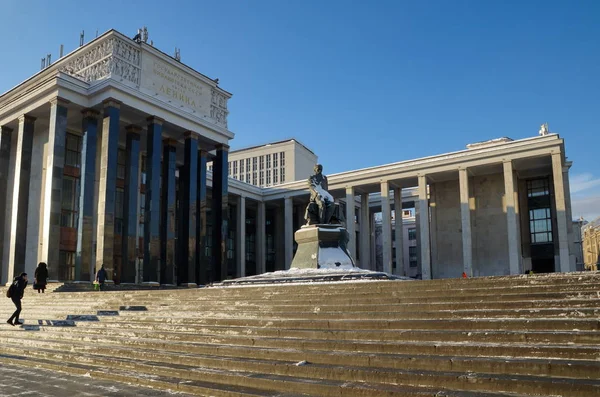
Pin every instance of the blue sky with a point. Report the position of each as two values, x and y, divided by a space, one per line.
363 83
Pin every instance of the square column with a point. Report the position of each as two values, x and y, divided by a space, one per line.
52 200
465 217
399 232
220 212
288 208
365 232
424 242
130 201
261 236
386 227
5 146
511 218
189 205
561 212
85 222
20 197
109 146
168 213
350 224
240 232
201 241
152 208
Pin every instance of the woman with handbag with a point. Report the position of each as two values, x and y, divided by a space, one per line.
41 277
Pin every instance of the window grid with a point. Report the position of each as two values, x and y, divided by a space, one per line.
275 179
282 175
268 177
282 159
412 234
268 156
262 178
73 150
275 160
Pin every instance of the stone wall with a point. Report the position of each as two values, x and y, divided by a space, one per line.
446 253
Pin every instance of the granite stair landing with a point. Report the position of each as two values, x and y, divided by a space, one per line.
499 336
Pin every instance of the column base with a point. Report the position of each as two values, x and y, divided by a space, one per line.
322 247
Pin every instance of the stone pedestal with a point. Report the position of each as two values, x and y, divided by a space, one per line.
322 247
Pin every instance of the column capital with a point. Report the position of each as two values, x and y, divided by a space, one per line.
59 101
222 146
190 135
155 120
504 161
4 128
90 113
26 118
111 102
133 129
203 153
169 142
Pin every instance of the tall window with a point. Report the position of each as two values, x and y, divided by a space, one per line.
412 256
412 233
540 225
73 151
275 178
275 160
261 165
282 159
538 187
254 163
119 203
143 170
254 177
66 269
262 178
268 156
121 161
268 177
241 166
70 202
247 177
235 168
282 175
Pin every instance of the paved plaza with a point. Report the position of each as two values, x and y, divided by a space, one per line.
36 382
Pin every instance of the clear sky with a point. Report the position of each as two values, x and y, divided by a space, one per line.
362 83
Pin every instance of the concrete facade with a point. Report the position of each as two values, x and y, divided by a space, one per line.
591 245
139 128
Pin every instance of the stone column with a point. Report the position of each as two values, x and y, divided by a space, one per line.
511 218
152 206
240 232
570 229
109 145
52 200
188 180
465 216
20 197
399 231
5 146
167 213
365 232
350 224
130 203
201 241
561 212
424 242
261 235
288 231
386 227
220 212
85 222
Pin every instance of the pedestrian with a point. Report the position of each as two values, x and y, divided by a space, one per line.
101 277
40 277
18 288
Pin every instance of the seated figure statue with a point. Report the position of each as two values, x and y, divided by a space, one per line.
321 206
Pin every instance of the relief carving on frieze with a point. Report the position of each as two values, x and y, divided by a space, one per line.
111 57
218 108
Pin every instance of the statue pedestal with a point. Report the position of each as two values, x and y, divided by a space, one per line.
322 247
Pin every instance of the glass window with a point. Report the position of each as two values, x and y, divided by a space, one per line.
268 177
540 225
66 265
282 175
143 170
121 161
254 180
538 187
275 160
241 166
248 177
119 202
73 150
275 178
261 163
254 163
268 156
282 159
262 178
70 202
412 234
412 256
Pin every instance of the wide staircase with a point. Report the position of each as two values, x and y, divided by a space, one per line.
515 336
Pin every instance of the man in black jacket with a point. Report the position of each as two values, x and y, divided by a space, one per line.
18 288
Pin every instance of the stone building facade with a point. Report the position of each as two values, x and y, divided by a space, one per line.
591 245
103 160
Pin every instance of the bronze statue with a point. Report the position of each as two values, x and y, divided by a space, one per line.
321 209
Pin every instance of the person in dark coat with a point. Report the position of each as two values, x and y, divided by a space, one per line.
101 277
18 288
41 277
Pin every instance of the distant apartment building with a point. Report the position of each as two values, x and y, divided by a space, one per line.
272 163
591 245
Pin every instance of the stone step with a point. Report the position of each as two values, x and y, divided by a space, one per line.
262 374
543 360
254 336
